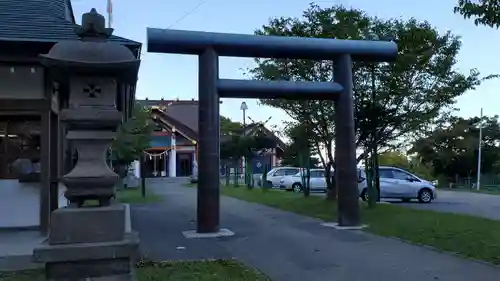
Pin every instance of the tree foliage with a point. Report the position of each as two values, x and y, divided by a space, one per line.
300 151
133 136
394 158
452 149
237 146
483 12
401 160
229 127
411 93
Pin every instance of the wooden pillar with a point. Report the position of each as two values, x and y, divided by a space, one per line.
68 154
3 157
61 148
54 161
45 171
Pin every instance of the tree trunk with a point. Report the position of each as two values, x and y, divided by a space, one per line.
331 186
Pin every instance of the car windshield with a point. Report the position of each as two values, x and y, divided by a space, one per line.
271 171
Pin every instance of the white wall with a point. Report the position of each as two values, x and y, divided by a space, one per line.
20 203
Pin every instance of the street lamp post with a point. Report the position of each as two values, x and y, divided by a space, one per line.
244 108
479 150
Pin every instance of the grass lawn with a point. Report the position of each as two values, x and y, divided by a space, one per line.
134 195
469 236
170 271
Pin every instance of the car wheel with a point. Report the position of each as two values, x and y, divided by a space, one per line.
364 195
406 200
425 195
296 187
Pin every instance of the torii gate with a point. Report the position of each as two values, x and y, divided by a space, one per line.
210 46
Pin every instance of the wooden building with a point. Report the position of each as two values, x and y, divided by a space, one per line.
174 143
29 107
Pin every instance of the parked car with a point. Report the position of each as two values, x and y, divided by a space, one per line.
276 174
396 183
317 181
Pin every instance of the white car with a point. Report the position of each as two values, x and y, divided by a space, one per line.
276 174
317 181
396 183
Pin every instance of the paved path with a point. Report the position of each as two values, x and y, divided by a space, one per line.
476 204
290 247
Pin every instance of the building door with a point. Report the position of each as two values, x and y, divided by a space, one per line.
184 164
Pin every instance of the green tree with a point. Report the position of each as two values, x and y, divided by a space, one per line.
452 149
229 127
483 12
413 91
133 137
300 146
421 169
237 146
401 160
394 158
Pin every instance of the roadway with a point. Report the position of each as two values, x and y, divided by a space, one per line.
476 204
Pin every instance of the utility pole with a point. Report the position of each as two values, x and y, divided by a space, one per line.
479 149
110 13
244 108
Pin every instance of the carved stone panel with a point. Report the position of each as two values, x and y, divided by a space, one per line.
92 92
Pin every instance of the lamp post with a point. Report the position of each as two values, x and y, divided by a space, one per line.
244 108
479 150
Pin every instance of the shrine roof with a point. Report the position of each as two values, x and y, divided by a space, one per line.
42 21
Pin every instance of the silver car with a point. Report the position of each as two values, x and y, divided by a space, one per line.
396 183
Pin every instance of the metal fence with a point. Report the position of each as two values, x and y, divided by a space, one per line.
238 179
487 182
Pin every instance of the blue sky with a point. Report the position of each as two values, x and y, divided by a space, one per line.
175 76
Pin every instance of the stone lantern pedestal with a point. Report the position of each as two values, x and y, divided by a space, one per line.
89 244
90 239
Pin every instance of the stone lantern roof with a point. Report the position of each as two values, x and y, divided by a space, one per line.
93 53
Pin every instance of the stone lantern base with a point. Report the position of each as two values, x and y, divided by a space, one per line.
90 243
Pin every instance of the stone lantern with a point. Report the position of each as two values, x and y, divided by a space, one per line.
91 238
